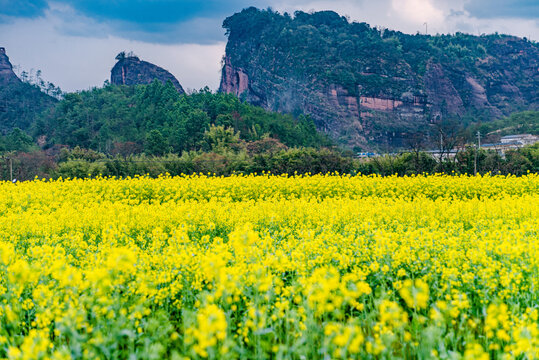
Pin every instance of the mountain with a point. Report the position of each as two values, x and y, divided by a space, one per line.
368 87
130 70
20 102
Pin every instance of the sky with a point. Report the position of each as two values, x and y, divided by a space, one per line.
74 42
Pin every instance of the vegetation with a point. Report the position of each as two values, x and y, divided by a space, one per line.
155 119
151 129
21 104
267 155
525 122
35 79
17 140
269 267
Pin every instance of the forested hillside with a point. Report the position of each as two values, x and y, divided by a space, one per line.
156 119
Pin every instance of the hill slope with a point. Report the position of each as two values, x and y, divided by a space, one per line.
366 86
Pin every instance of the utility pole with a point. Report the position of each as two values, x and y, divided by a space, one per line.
426 32
441 148
478 139
476 150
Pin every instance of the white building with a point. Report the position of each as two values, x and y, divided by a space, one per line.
521 139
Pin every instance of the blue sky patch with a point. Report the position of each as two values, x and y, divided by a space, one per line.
22 8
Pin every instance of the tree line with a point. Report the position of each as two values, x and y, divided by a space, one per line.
226 154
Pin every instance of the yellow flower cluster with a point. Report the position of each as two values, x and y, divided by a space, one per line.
415 294
210 328
270 267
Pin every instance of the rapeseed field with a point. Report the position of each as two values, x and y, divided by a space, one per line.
270 267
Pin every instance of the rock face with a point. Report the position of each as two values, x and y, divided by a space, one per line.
130 70
233 81
440 91
6 70
367 87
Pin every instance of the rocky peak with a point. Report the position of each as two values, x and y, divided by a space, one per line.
130 70
6 70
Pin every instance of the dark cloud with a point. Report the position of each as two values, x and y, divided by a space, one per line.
196 30
147 12
22 8
161 21
528 9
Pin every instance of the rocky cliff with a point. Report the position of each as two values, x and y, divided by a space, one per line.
130 70
368 87
6 70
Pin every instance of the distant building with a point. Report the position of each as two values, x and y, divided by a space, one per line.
521 139
511 142
367 155
501 147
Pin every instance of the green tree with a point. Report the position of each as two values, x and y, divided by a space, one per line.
155 143
18 140
220 139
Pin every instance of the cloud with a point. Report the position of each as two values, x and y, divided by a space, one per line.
488 9
417 11
404 15
442 16
76 62
195 21
162 21
197 30
70 22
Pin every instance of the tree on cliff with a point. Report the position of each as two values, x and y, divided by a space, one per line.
120 56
